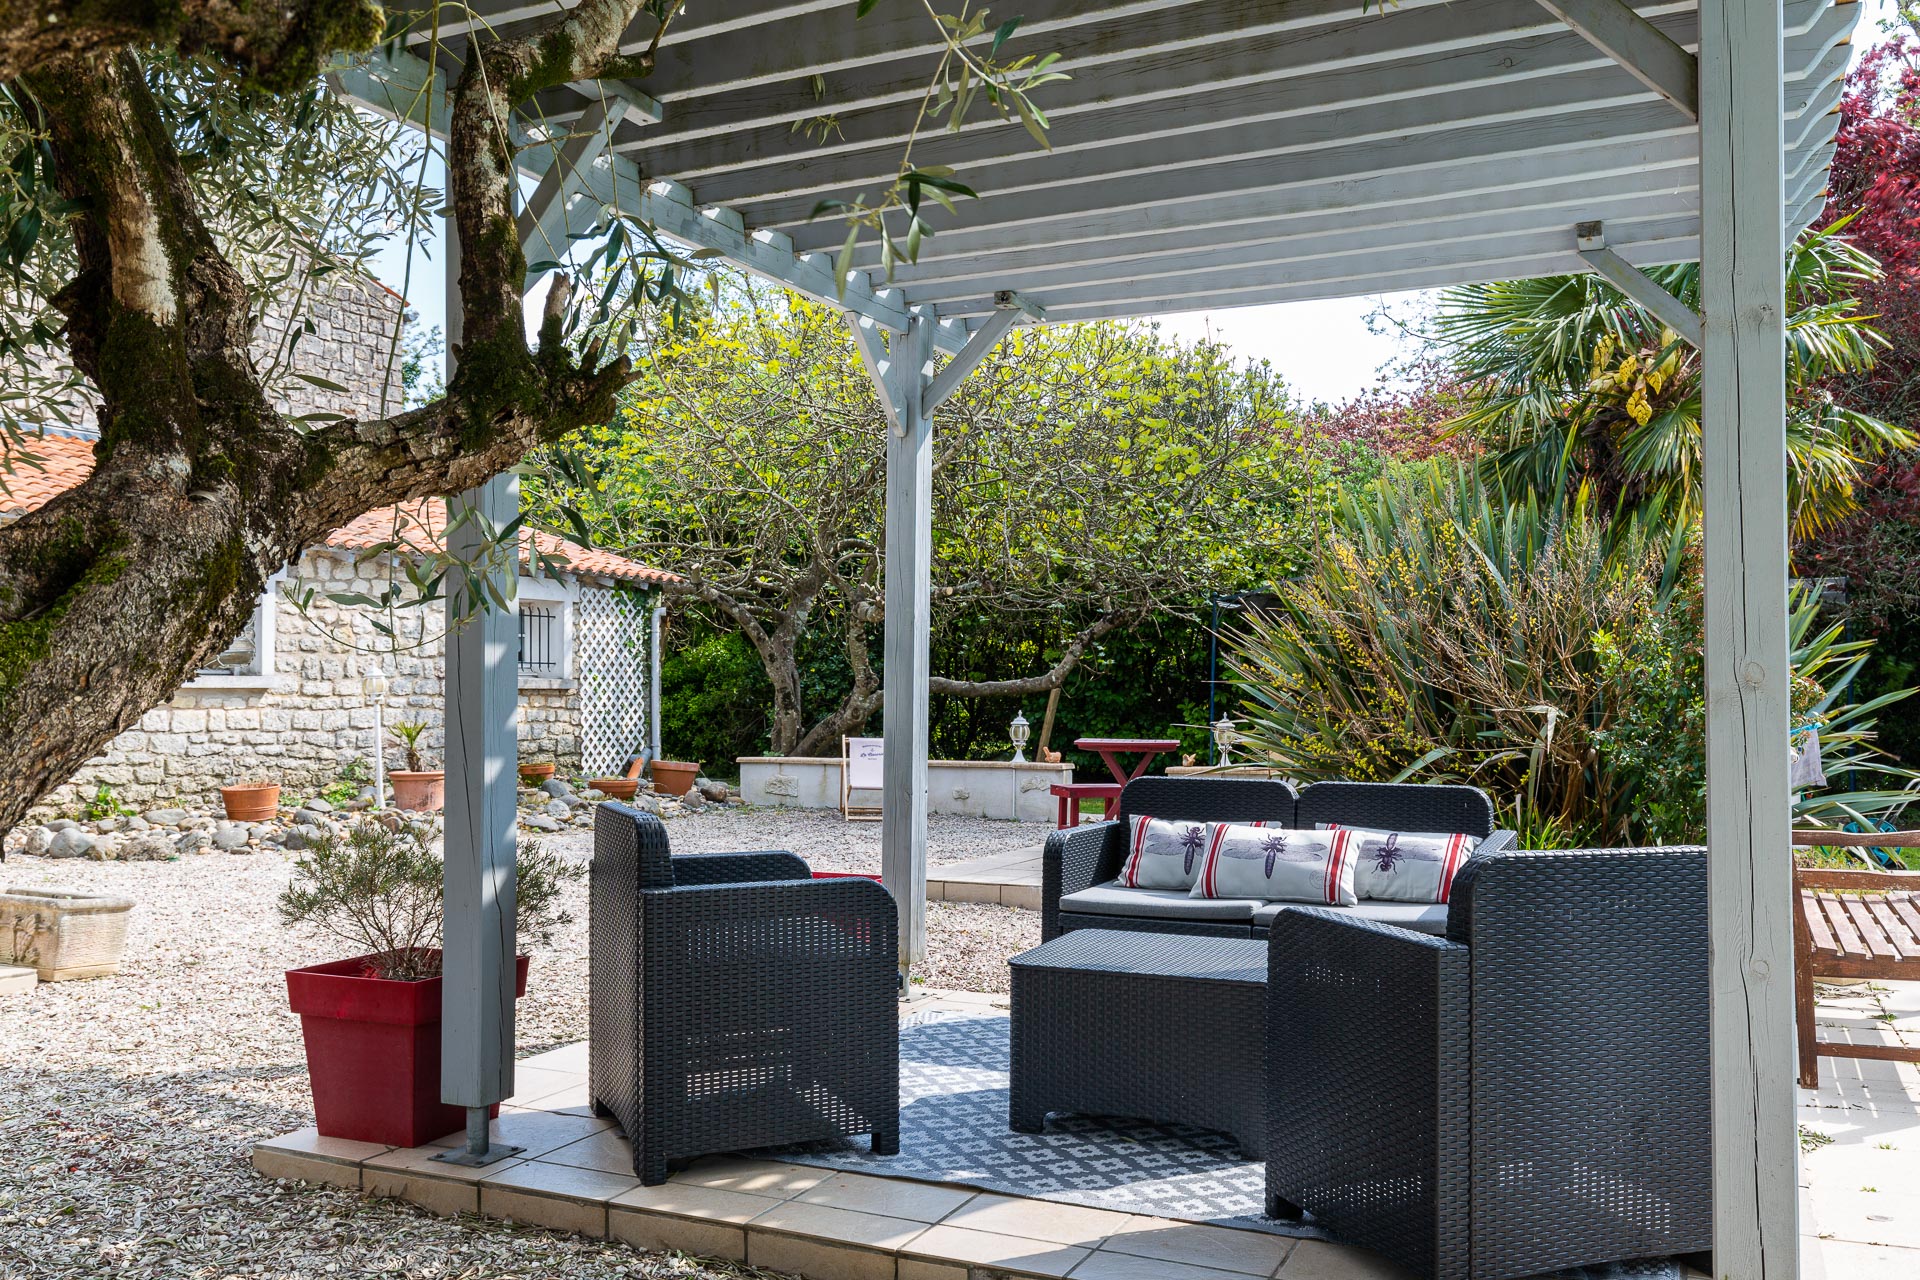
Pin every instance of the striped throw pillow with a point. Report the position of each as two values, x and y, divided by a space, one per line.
1405 866
1162 854
1275 864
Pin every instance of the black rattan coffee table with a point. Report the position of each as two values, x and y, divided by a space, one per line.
1156 1026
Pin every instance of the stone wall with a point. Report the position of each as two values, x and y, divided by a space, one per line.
308 721
356 321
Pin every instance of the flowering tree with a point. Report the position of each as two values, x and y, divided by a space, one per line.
1085 477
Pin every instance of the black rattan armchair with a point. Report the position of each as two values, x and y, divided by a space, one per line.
1527 1094
736 1002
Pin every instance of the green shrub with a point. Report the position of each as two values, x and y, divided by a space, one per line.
1551 656
379 890
104 805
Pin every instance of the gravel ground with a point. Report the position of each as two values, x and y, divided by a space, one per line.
828 841
128 1104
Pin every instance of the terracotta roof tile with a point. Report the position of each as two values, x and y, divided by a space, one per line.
62 462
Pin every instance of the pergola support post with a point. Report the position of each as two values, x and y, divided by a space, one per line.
909 569
909 392
482 700
1743 415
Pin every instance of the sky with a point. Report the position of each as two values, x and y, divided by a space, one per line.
1325 350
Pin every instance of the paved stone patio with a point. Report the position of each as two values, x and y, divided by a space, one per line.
1860 1190
1010 879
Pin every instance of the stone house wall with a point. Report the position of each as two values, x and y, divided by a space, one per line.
303 723
357 322
309 720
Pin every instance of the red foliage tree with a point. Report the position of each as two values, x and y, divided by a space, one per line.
1399 419
1876 180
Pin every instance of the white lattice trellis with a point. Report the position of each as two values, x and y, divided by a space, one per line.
613 669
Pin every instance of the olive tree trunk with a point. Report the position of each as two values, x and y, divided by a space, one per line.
117 591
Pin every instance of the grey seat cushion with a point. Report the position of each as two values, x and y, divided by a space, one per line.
1421 917
1115 899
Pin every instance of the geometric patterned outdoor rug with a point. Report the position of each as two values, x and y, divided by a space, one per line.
953 1128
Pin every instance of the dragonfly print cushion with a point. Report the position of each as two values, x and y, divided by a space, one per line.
1276 864
1406 866
1163 854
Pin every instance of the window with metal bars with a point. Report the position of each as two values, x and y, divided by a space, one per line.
540 640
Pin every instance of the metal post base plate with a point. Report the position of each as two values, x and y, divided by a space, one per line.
461 1155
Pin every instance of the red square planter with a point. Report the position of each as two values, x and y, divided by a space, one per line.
373 1052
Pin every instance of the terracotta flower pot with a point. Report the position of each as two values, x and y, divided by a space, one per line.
618 788
373 1052
535 774
423 792
251 801
674 777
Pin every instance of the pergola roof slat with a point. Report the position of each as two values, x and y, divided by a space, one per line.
1206 153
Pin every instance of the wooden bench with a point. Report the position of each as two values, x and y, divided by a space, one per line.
1852 924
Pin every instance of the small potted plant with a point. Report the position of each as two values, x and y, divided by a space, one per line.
372 1021
251 801
416 787
535 772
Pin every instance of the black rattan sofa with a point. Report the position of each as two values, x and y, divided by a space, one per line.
1080 864
736 1002
1526 1094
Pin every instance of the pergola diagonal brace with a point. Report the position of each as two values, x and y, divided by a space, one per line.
543 222
979 343
1590 242
1647 53
866 340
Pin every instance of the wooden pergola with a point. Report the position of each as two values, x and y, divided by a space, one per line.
1211 154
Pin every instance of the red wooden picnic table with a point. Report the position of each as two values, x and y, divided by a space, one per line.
1111 749
1070 794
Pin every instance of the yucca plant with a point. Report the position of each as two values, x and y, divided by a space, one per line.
1447 631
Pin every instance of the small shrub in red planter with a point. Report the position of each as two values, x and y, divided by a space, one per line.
373 1051
372 1023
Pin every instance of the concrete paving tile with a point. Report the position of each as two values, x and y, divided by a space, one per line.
608 1151
1023 1255
820 1259
688 1200
848 1226
561 1181
659 1231
892 1197
1318 1260
1037 1220
308 1142
536 1132
1102 1265
582 1217
1847 1260
300 1167
755 1177
1196 1244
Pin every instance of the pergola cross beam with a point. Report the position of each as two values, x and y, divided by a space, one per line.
404 87
1590 242
1646 52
